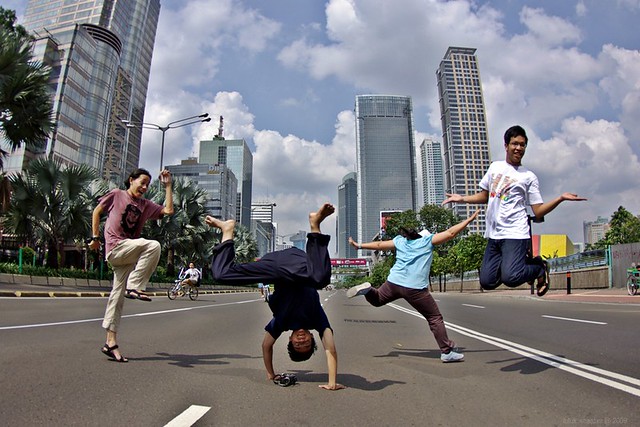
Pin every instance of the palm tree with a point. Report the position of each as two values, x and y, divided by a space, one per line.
184 231
25 100
52 205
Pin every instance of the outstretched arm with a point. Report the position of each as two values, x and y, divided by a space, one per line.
381 245
267 355
453 231
165 178
332 361
541 209
480 197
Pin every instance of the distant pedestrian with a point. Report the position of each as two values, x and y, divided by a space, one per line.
132 258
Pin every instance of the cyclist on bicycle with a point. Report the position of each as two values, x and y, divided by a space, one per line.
191 276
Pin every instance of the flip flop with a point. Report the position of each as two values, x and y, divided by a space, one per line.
133 294
543 288
109 352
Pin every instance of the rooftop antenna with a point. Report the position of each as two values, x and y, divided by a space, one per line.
219 135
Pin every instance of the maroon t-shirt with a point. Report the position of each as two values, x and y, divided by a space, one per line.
126 216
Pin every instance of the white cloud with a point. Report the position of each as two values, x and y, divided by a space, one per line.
538 76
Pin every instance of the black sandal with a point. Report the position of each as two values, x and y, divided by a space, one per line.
543 288
109 352
133 294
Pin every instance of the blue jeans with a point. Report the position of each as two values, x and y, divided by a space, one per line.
506 262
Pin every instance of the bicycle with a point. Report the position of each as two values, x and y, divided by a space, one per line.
180 290
633 276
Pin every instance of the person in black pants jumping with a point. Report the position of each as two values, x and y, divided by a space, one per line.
295 302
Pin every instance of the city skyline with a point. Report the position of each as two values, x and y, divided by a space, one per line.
284 77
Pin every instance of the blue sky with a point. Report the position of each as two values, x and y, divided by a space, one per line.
285 73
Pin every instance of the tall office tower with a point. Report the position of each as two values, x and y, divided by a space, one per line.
595 230
100 52
347 220
385 163
263 227
464 128
432 172
235 154
218 181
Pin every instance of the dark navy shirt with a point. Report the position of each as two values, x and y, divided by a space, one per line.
296 307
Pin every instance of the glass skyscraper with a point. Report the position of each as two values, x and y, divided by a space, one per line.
235 154
464 128
347 223
385 163
432 173
100 53
217 180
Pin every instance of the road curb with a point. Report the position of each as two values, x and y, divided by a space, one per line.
100 294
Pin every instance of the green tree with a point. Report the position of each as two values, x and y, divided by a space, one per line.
51 205
467 254
25 99
624 228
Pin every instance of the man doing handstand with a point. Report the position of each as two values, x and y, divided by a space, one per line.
295 302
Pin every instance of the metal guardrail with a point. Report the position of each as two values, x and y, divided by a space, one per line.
587 259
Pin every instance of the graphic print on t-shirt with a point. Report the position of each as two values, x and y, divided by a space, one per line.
500 185
130 218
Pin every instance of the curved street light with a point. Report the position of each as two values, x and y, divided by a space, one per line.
171 125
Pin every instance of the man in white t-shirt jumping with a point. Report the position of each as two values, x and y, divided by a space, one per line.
508 188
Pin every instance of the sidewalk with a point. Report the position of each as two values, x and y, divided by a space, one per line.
606 295
55 291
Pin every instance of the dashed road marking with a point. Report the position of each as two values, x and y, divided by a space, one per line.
189 417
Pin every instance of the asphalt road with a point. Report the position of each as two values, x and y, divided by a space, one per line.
529 362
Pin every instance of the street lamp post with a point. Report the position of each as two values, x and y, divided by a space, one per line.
172 125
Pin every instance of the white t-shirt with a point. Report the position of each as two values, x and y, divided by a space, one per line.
193 274
511 189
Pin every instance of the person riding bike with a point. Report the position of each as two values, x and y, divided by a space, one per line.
191 276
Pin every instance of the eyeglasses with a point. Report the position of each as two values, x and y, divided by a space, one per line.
518 144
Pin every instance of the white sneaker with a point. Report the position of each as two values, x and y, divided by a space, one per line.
359 290
452 356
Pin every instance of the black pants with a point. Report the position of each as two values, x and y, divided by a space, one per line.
286 267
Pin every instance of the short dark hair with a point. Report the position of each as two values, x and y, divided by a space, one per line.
135 175
298 356
514 131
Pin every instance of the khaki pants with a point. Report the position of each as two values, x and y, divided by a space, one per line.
133 262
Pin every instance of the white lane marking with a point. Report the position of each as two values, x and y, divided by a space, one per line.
474 306
608 378
189 417
176 310
574 320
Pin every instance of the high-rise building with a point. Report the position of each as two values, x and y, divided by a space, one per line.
235 154
385 164
595 230
464 128
432 172
218 181
347 220
100 53
263 227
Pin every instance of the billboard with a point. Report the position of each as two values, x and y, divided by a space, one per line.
348 262
384 215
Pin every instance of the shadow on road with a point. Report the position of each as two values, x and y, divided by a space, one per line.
349 380
192 360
